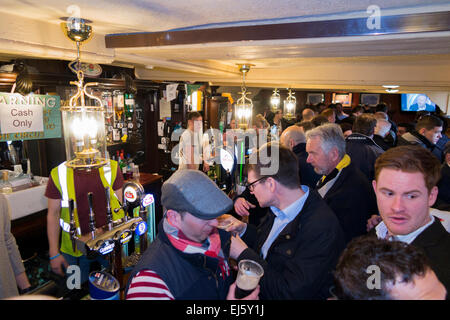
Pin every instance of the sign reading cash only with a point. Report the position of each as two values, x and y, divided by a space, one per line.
29 117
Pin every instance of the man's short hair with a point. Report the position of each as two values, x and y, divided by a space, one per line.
308 114
447 148
381 107
287 173
411 158
358 108
380 115
295 133
328 112
397 262
306 125
193 115
382 127
319 120
330 135
429 122
364 124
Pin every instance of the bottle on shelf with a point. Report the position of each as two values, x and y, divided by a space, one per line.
118 101
129 106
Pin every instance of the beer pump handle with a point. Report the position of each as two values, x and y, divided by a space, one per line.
109 218
72 224
91 214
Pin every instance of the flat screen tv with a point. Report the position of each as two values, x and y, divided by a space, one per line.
417 102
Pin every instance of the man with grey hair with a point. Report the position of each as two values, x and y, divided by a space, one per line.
342 185
381 131
294 139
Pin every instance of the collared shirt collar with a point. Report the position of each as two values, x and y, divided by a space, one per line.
294 208
382 232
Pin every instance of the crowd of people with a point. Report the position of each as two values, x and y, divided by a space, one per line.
349 195
357 207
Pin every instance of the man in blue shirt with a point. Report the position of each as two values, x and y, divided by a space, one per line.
299 240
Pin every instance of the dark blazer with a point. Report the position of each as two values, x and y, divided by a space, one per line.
435 241
353 201
443 198
300 262
383 143
415 138
306 171
363 152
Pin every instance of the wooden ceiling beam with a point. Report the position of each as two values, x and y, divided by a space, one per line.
393 24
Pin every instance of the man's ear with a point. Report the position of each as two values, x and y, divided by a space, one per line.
433 196
173 217
422 131
334 154
291 143
374 185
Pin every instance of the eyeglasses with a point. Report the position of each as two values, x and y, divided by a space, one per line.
251 186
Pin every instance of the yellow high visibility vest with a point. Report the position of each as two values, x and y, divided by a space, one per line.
63 178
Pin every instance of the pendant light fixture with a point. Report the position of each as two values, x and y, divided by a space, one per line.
275 100
289 105
244 105
84 125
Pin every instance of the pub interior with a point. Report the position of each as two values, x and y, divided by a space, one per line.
97 98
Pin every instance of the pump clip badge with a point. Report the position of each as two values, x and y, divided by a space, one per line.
141 228
130 194
148 200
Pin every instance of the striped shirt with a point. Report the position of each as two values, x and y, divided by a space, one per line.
148 285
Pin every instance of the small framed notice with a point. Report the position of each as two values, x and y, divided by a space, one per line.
29 117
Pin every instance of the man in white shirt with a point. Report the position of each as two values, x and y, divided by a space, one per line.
191 142
405 187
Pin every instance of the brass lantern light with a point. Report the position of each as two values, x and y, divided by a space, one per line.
84 126
289 105
275 100
244 105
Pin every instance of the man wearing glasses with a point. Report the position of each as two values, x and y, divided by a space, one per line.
298 241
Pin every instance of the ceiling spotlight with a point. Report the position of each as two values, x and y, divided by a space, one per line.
391 90
388 86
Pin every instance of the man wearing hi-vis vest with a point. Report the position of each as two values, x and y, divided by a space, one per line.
66 183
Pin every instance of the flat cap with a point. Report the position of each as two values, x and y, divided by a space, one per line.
192 191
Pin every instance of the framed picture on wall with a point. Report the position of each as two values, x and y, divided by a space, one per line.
315 98
370 99
344 98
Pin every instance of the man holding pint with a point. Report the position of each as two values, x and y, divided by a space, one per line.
188 259
298 241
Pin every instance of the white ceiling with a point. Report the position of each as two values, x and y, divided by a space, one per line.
416 61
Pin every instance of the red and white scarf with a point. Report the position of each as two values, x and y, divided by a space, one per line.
211 247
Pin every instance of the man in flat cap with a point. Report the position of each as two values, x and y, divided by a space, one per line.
188 259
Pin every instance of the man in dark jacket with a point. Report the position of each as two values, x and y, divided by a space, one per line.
405 187
294 139
299 240
443 199
188 259
343 186
427 133
360 145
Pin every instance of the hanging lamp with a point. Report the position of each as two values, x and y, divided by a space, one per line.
84 126
289 105
275 100
244 105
